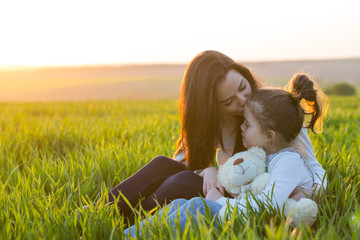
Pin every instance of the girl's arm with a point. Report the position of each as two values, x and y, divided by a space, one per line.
286 173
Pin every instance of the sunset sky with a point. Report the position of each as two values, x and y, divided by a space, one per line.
62 32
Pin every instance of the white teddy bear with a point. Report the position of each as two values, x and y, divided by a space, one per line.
245 171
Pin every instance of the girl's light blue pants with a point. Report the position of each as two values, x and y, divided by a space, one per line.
187 208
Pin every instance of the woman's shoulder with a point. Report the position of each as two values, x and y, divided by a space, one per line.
303 137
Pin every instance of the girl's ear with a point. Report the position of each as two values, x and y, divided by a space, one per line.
271 134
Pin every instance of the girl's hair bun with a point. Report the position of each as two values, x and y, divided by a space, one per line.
303 87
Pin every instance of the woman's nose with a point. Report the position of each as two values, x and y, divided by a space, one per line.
241 99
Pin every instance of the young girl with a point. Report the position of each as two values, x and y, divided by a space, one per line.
273 118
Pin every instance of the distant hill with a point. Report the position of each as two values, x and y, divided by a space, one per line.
153 81
326 72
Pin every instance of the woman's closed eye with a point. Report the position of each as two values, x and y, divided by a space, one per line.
241 88
227 103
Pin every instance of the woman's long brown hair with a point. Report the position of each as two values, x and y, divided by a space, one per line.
199 109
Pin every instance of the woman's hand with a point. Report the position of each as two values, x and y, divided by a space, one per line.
313 192
214 194
210 180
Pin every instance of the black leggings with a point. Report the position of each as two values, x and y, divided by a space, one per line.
161 180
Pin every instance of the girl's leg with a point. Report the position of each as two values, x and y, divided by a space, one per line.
184 184
172 207
144 182
187 208
192 207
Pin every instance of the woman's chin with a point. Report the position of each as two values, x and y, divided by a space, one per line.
238 114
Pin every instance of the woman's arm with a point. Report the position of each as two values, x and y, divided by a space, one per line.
209 174
305 144
210 180
320 181
313 192
223 156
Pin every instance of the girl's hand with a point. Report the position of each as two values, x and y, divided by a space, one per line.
210 180
214 194
313 192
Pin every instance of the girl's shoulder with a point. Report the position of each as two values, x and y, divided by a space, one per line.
290 161
286 155
292 151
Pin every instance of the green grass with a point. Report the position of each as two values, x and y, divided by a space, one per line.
56 157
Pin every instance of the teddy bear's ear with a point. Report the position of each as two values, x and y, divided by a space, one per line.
238 161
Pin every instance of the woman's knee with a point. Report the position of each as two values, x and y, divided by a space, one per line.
163 162
183 178
179 185
160 160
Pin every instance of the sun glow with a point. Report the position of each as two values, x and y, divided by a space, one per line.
66 32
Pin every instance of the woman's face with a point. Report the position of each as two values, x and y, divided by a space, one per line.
232 93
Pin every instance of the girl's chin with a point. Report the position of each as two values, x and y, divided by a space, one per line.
245 144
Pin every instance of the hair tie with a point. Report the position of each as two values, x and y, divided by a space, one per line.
295 96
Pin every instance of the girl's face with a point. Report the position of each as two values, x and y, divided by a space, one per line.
252 134
232 93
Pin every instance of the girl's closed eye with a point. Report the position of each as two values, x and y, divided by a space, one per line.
246 124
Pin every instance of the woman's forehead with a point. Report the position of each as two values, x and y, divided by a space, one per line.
229 86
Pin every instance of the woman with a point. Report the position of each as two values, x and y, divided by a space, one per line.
212 99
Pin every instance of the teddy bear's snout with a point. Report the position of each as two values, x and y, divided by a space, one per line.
238 161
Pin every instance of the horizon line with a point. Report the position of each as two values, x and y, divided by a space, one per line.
130 64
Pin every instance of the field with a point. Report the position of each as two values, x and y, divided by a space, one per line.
57 156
